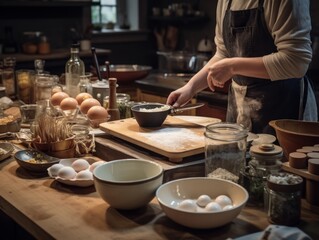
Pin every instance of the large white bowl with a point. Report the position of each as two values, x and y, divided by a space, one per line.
171 194
128 183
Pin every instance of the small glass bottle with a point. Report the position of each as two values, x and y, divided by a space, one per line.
265 160
122 100
284 198
225 150
85 84
74 68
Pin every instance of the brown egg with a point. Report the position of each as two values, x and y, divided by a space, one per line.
68 103
56 98
82 96
97 112
88 103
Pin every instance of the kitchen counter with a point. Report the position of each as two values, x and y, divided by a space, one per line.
50 210
159 83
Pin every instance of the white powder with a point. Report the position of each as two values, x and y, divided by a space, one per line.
174 138
156 109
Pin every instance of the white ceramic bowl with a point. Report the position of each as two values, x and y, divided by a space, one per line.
171 194
128 183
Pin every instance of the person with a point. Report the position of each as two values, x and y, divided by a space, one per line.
264 48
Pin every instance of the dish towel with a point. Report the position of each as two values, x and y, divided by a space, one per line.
277 232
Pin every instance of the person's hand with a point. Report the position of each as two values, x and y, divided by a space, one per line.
219 73
180 96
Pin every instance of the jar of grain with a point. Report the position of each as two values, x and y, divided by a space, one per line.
284 198
225 150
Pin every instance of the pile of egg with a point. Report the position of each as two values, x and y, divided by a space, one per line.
79 169
84 101
205 203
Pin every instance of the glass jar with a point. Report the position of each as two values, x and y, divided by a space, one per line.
284 198
25 85
265 160
8 76
122 100
225 150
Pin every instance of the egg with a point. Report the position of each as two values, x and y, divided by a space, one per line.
213 207
97 112
188 205
88 103
68 103
203 200
223 200
57 98
228 207
82 96
80 164
95 164
67 173
54 169
84 175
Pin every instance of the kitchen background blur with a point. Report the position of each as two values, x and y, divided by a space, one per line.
126 31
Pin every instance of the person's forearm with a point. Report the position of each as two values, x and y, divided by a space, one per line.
249 67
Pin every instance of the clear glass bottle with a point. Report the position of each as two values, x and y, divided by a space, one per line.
225 150
265 160
74 68
284 198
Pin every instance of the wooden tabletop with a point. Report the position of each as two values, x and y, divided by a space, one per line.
50 210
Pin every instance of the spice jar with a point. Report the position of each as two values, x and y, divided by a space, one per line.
225 150
122 100
265 160
284 198
8 76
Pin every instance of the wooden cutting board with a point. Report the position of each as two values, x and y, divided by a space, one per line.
175 139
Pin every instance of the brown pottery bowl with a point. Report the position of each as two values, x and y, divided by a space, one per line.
294 134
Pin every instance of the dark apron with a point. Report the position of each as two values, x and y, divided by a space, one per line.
254 102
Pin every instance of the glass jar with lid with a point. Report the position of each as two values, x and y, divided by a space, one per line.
284 198
265 159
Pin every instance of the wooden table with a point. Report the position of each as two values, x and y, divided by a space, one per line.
50 210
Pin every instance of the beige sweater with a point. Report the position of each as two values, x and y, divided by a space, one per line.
289 23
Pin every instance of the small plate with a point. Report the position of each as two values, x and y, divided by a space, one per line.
73 182
41 162
7 150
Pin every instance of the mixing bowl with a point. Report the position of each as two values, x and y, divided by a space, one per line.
171 194
128 183
294 134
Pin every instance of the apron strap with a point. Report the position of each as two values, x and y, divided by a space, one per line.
229 4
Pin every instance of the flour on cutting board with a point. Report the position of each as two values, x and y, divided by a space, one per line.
173 138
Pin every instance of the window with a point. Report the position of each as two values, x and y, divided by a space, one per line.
104 12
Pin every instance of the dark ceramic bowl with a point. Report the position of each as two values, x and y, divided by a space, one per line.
35 161
150 114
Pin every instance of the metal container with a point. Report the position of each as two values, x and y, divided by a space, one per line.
181 61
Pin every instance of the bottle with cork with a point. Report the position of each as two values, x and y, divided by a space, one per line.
113 109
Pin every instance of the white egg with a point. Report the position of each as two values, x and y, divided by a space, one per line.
80 164
200 209
67 173
188 205
54 169
223 200
203 200
213 207
95 164
227 207
84 175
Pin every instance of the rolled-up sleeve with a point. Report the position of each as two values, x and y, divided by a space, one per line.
289 24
